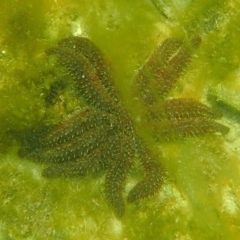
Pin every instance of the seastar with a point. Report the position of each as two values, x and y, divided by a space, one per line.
103 136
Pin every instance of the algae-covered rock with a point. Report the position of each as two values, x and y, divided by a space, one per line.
200 197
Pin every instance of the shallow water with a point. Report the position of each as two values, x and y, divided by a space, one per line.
200 197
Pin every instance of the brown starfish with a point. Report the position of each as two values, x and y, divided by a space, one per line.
103 136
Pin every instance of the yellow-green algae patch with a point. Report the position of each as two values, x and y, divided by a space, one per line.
200 199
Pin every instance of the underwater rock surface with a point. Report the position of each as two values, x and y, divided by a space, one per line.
200 199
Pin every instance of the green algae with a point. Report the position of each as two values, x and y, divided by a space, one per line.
200 200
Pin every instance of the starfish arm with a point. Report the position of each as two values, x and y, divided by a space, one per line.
152 181
94 159
165 78
181 128
183 108
162 70
74 126
93 164
114 184
85 47
85 76
75 148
